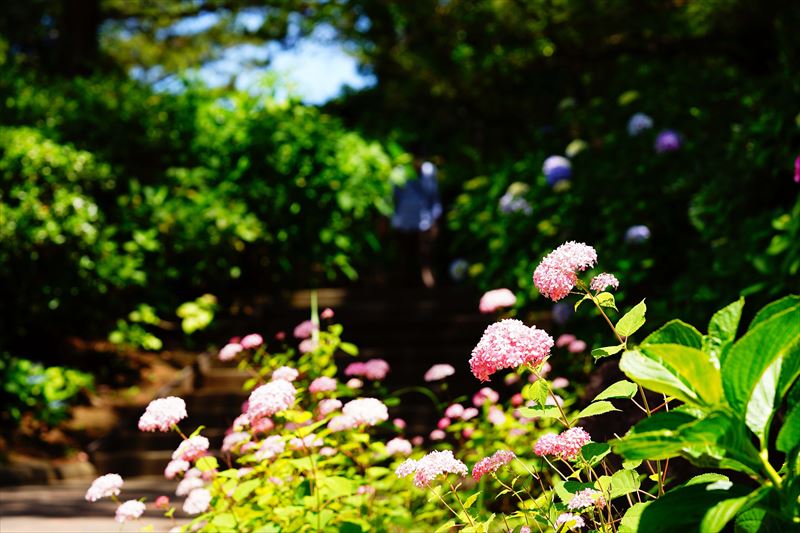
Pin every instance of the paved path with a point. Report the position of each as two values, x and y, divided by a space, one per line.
61 508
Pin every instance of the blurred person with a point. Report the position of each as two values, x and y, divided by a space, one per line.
416 210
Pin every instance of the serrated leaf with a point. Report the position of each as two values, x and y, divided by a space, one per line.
606 351
789 434
620 389
624 482
471 500
538 412
594 452
606 299
676 332
597 408
722 329
632 320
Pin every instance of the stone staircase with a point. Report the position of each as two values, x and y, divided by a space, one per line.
412 329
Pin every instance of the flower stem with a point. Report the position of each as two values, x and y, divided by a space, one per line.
455 493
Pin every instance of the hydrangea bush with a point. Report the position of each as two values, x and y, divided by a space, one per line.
309 452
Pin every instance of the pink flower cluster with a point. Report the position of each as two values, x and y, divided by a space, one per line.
375 369
285 373
586 498
197 502
438 372
191 449
601 281
566 446
175 467
573 344
306 443
162 414
366 411
484 395
104 487
489 465
274 397
233 440
509 344
329 405
253 340
130 510
270 447
322 384
570 521
229 351
304 329
430 467
556 274
496 299
398 446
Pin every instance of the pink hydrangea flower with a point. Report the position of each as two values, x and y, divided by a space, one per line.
355 369
322 384
327 451
398 446
229 351
484 395
491 464
570 521
341 423
517 400
577 347
254 340
601 281
329 405
511 378
406 468
104 487
306 443
565 340
130 510
432 466
366 490
467 432
437 434
274 397
366 411
376 369
285 373
175 467
418 440
270 447
496 416
308 345
234 440
240 422
586 498
191 449
327 313
454 411
525 529
443 423
162 502
354 383
509 344
197 502
469 413
566 446
162 414
559 383
304 329
262 425
496 299
399 423
556 275
438 372
187 485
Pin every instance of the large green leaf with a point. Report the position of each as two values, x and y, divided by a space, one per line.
620 389
722 329
704 507
789 434
773 308
675 370
676 332
762 365
716 440
632 320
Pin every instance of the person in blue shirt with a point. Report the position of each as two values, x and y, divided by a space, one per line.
416 210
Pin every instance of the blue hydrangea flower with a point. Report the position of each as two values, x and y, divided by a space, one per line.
638 123
458 269
637 234
556 168
562 312
668 141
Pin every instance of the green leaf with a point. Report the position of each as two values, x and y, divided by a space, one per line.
685 373
676 332
469 501
534 412
773 308
349 348
606 351
244 489
594 452
624 482
632 320
197 431
207 463
722 329
606 299
620 389
762 365
446 526
597 408
789 434
630 521
579 302
225 521
536 391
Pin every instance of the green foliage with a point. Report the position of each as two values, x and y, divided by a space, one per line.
45 393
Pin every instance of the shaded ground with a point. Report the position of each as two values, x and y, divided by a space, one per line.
62 508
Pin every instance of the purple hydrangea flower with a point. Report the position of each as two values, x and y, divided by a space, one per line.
556 168
638 123
668 141
637 234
